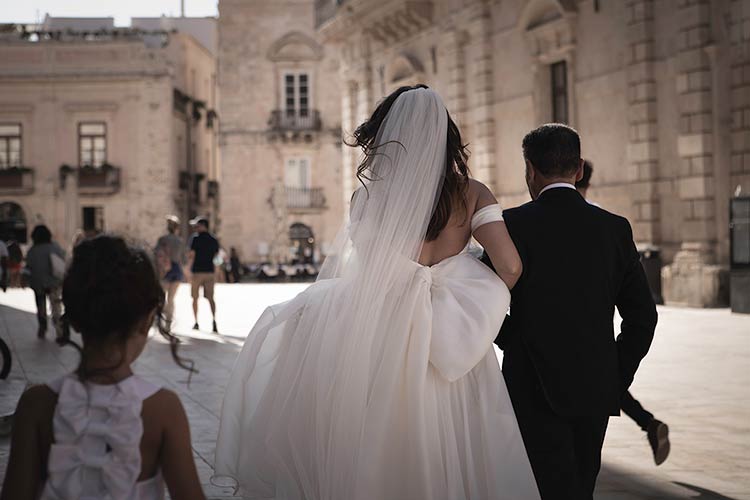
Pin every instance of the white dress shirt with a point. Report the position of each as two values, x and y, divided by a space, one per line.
556 185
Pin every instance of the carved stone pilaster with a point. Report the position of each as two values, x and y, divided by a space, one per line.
643 147
694 278
483 116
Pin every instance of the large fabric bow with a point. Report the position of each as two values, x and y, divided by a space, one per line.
95 430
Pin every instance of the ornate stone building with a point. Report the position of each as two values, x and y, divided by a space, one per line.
280 131
660 92
105 128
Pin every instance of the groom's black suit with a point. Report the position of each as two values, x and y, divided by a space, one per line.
564 370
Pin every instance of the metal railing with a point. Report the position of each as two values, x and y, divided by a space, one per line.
305 198
96 180
284 120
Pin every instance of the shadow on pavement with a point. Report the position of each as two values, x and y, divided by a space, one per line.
616 483
704 494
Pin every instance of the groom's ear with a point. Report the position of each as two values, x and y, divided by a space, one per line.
530 173
579 172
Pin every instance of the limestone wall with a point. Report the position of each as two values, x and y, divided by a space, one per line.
258 42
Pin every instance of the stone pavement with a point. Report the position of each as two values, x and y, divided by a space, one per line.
696 378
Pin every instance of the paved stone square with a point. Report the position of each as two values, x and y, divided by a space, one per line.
696 378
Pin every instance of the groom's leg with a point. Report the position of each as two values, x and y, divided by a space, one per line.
548 437
589 436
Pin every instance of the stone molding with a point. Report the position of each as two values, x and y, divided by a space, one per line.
284 48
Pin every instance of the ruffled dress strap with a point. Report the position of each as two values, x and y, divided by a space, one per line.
485 215
97 435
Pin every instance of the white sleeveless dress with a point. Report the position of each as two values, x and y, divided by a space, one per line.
434 422
97 436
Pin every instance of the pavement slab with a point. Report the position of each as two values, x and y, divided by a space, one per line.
696 378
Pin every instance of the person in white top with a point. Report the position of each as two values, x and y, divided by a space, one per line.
103 432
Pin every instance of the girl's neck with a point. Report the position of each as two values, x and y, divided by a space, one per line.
105 366
108 376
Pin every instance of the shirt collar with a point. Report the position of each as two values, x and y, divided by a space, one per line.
557 185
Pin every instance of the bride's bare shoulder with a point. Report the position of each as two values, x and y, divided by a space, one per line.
479 195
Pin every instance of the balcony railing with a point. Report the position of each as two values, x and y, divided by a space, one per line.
282 120
16 180
98 180
305 198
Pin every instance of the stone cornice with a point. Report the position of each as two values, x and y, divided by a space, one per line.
385 21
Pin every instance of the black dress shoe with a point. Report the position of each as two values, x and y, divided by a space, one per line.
658 438
196 327
215 330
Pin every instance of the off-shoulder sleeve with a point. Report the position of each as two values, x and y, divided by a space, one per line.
490 213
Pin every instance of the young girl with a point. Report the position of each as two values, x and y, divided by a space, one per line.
102 431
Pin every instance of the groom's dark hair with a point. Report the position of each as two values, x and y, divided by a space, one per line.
553 149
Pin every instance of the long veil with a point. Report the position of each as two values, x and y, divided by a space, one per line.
331 395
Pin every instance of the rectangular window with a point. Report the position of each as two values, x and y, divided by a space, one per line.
297 173
92 144
559 80
10 145
297 94
93 219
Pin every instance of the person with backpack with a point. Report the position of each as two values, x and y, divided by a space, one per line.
45 262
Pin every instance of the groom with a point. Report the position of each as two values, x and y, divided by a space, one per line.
565 371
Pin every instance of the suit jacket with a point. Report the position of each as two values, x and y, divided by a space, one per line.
579 262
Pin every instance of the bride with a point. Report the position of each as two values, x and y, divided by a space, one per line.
380 380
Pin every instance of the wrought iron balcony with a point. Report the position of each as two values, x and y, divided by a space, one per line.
282 120
304 199
16 180
98 180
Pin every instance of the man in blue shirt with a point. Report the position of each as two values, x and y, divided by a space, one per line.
203 248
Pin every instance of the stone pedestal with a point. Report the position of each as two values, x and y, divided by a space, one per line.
694 280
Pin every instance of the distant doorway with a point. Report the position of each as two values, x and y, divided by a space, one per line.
303 243
13 224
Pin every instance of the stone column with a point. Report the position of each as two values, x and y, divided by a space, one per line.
452 43
739 61
483 101
693 278
643 147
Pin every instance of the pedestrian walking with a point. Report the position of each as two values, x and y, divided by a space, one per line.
45 262
15 263
4 265
203 248
170 255
235 267
656 431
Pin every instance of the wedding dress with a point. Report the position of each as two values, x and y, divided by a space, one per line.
379 382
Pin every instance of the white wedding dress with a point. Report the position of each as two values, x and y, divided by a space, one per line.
380 380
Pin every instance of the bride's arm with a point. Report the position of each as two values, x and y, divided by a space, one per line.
495 239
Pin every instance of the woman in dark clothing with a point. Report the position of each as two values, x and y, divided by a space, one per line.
42 259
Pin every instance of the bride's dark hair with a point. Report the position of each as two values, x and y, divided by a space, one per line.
456 178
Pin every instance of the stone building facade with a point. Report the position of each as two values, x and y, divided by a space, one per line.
105 128
659 90
280 131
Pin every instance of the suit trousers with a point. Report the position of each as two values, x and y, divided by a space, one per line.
565 452
633 409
